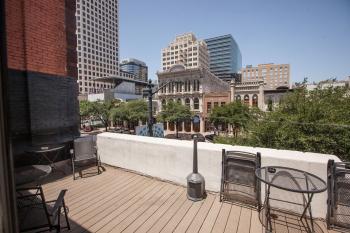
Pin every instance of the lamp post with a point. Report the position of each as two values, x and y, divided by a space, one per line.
150 110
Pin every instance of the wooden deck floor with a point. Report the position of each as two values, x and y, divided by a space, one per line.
121 201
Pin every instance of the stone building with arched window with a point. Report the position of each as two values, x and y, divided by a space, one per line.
250 93
188 87
254 94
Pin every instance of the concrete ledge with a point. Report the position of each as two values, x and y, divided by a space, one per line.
171 159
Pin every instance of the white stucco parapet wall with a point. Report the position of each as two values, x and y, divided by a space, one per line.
171 160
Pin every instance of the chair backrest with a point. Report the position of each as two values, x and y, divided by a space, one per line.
338 182
239 182
84 146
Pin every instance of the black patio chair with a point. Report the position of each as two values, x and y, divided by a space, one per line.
338 182
35 213
85 151
238 180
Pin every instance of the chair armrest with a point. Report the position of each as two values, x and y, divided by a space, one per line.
27 188
28 195
58 205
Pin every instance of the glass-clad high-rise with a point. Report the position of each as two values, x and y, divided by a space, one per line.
225 56
136 67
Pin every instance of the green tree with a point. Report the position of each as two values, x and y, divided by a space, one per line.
119 114
98 110
236 114
315 121
175 112
132 112
136 111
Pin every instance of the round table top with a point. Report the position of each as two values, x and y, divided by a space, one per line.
45 149
32 173
291 179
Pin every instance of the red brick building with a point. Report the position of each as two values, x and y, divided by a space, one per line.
210 101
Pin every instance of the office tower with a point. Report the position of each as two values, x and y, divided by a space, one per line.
135 67
273 75
185 50
97 43
225 56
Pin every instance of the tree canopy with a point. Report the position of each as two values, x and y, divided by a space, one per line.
314 121
174 112
236 114
131 112
114 110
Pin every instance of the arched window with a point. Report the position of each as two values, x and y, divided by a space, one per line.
196 103
169 88
188 86
172 87
195 85
255 100
178 87
178 100
238 98
187 102
163 89
246 99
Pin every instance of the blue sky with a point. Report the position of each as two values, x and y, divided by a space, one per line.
313 36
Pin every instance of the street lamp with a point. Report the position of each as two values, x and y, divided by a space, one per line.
150 94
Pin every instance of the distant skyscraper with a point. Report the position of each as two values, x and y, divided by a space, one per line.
187 51
97 43
225 56
273 75
136 67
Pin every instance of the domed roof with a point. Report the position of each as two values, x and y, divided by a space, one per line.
177 67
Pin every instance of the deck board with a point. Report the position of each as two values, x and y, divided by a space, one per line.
122 201
212 215
199 219
233 219
244 221
220 223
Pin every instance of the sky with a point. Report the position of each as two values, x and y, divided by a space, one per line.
313 36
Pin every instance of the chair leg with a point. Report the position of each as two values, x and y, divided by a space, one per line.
73 169
58 227
98 163
66 214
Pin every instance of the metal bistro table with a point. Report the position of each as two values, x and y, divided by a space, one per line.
44 152
292 180
32 173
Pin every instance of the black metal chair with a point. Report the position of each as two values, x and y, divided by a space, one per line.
238 180
338 203
85 151
35 213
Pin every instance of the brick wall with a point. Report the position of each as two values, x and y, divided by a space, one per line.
219 98
37 35
42 62
15 34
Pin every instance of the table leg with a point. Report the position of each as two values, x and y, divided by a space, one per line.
268 209
308 207
52 162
